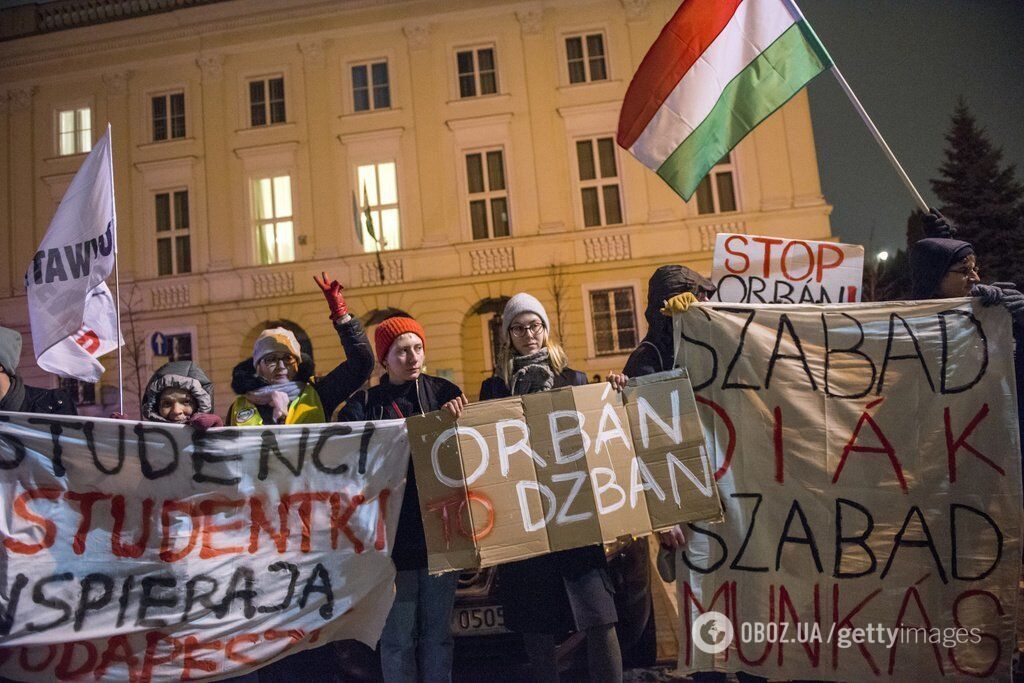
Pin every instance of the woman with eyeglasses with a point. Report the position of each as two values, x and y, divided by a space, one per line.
276 385
569 590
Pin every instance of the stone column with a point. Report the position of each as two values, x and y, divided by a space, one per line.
325 228
128 244
216 171
21 169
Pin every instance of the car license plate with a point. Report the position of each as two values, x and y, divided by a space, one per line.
478 621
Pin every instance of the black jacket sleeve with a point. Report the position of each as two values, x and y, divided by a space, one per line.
355 409
643 361
351 373
493 387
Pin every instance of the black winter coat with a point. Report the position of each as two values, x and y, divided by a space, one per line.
37 400
388 401
333 388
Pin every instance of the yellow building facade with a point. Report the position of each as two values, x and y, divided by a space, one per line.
252 139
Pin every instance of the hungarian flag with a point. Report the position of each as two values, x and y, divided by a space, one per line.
72 314
717 70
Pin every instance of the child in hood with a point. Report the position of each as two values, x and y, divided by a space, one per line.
180 393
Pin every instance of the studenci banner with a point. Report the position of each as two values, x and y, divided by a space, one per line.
151 552
868 460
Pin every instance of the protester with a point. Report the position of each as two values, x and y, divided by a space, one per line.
551 594
276 387
179 392
15 395
417 643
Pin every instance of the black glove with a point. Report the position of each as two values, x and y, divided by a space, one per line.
937 225
989 294
1013 300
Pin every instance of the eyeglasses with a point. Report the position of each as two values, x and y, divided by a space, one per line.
533 328
271 360
965 272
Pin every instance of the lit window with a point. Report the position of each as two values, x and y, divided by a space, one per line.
173 245
585 58
717 192
370 86
378 206
613 316
488 194
266 101
74 131
168 117
599 181
274 220
477 72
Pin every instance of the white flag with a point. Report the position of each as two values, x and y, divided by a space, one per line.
73 316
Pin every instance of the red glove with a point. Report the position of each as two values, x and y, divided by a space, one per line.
332 292
203 421
119 416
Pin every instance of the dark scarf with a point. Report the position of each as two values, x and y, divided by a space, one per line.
15 395
532 373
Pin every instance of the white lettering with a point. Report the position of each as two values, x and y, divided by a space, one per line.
477 473
558 435
599 490
577 479
637 471
520 446
524 505
675 432
706 488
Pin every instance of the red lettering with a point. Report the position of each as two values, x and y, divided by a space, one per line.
784 258
780 475
886 447
119 547
983 635
209 508
730 444
952 446
229 649
911 592
689 597
339 520
259 521
382 507
36 667
822 264
768 243
486 502
446 509
812 646
728 249
65 670
85 502
88 340
736 620
167 552
22 510
151 661
847 622
119 650
306 501
193 644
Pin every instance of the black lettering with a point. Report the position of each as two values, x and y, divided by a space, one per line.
147 467
325 434
54 266
287 601
201 457
39 597
269 447
893 317
721 544
697 386
78 257
10 606
726 384
776 356
107 240
246 595
122 603
13 445
945 352
56 429
781 297
735 564
204 598
954 569
89 602
927 542
852 350
364 445
149 599
858 539
757 287
807 539
322 586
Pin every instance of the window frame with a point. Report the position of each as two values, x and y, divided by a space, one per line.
368 63
727 165
166 95
267 110
257 223
566 75
58 132
364 241
588 315
76 394
474 50
173 233
487 195
598 182
170 331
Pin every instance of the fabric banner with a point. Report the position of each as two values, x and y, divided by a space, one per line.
868 459
775 270
71 311
576 466
150 552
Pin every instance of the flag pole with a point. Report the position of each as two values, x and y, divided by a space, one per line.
872 128
117 280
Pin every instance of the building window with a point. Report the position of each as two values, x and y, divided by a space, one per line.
585 58
266 101
613 316
179 346
477 73
717 192
488 194
274 220
599 181
173 246
82 393
494 341
74 127
378 206
371 88
168 117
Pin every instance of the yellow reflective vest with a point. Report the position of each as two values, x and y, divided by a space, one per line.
305 409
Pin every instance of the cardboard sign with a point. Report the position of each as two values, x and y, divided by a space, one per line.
869 465
523 476
775 270
150 552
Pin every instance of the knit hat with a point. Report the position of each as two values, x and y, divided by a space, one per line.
10 349
930 260
275 340
393 328
522 303
668 281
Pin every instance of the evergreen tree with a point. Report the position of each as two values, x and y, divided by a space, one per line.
983 197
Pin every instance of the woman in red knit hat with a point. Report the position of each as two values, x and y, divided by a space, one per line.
417 640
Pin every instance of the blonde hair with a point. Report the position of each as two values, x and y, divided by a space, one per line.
556 356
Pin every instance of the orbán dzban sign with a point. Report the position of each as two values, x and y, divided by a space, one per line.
527 475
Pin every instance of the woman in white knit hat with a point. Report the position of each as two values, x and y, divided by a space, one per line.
568 590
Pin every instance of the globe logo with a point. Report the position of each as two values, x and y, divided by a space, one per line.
712 632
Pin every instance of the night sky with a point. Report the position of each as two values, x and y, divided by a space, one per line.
908 61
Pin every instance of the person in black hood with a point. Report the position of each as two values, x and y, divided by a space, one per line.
18 397
180 392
